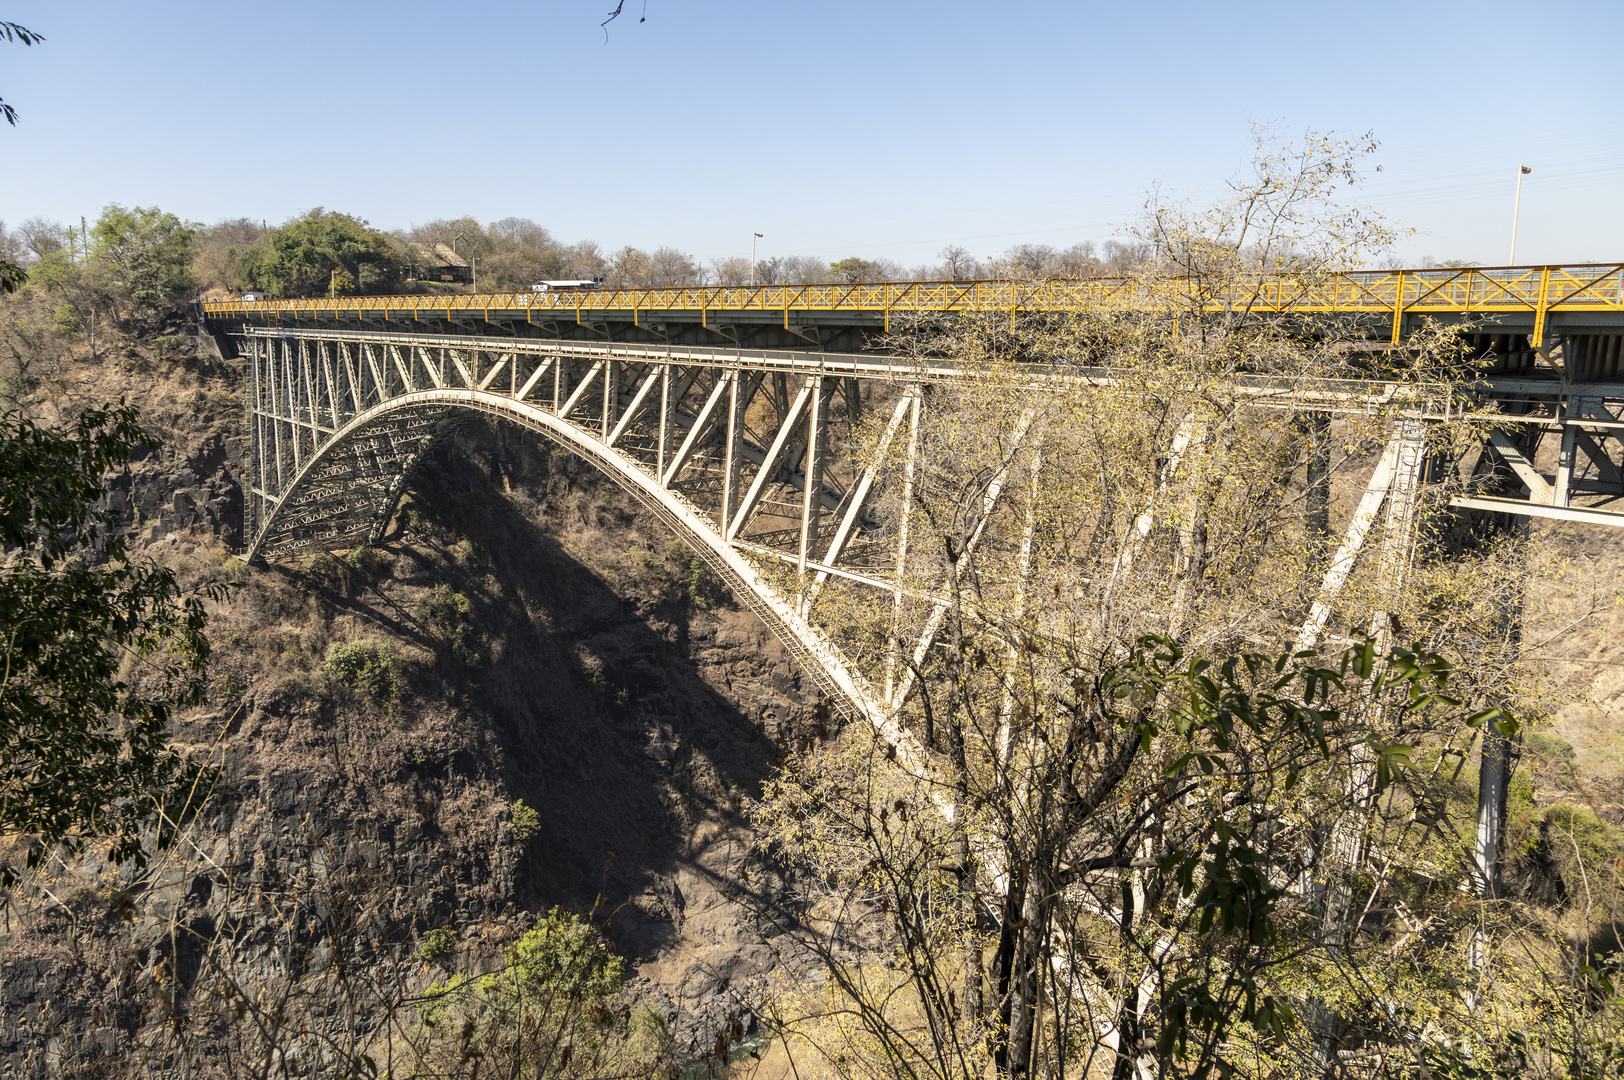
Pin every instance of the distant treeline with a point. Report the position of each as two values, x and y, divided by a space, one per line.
148 258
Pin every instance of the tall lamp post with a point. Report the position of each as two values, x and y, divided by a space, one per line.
753 238
1516 209
463 236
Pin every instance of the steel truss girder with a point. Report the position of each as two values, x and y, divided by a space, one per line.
336 419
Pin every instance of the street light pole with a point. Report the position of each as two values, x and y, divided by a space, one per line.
753 238
1516 209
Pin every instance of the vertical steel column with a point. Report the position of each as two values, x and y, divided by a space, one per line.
330 369
352 372
1346 849
1398 545
272 482
812 491
1495 763
780 395
258 353
286 417
387 377
732 455
853 390
611 395
1498 754
1565 459
307 401
894 646
558 383
667 406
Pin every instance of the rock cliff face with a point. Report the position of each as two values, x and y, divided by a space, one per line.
521 636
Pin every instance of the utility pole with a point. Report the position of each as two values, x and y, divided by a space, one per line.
1516 209
753 238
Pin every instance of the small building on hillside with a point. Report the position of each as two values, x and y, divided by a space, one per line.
439 263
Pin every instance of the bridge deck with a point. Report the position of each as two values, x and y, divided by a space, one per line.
1573 295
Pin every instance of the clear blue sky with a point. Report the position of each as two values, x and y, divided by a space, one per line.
877 128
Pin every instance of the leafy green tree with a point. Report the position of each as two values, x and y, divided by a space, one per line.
551 1011
81 297
149 252
854 269
304 254
563 954
98 648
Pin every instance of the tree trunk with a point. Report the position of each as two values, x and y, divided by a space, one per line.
1318 496
1026 984
1499 755
1004 966
1128 1018
1499 759
969 908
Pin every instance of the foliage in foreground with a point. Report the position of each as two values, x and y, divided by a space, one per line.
99 647
551 1011
1156 827
1125 821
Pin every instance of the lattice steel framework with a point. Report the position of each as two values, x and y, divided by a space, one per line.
748 455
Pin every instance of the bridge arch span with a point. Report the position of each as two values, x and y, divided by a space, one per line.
750 453
324 489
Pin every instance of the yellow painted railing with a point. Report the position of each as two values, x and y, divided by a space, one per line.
1594 287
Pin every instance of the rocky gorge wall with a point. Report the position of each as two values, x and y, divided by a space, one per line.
525 696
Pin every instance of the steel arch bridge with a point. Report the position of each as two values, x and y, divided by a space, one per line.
749 455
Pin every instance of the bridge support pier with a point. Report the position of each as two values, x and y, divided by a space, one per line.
816 450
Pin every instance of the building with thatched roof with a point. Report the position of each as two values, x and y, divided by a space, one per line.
439 263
